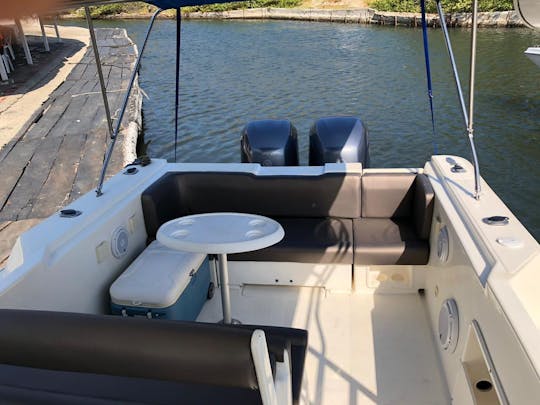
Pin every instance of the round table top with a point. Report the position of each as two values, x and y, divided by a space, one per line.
220 233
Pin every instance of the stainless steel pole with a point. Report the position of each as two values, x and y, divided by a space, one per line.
470 128
114 136
99 71
225 295
453 63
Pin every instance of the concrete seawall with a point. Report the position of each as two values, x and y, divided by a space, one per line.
362 16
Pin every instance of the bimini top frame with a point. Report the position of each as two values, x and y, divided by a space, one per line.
468 115
114 133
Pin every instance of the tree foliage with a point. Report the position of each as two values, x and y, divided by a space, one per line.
245 4
450 6
138 7
143 8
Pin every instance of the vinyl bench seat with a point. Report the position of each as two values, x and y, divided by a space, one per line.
60 357
378 218
396 220
316 212
308 240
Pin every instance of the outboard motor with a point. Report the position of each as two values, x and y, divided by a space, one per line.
338 139
270 143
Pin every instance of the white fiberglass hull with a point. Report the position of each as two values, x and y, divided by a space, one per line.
374 331
533 53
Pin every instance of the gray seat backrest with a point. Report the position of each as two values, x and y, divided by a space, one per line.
387 195
399 195
162 350
178 194
88 348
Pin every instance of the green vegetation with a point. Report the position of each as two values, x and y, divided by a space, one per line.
138 7
141 8
245 4
450 6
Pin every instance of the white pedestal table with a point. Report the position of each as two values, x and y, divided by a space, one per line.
221 233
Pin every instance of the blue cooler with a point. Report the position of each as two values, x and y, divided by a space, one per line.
163 283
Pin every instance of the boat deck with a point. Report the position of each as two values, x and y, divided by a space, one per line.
57 156
363 348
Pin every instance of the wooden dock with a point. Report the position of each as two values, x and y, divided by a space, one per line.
57 156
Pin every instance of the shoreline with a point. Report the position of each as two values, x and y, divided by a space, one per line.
497 19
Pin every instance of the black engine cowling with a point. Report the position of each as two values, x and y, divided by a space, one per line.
270 143
338 139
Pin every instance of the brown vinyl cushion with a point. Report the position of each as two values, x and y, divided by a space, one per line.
424 200
60 357
315 212
178 194
308 240
327 195
161 202
387 195
165 350
385 241
26 385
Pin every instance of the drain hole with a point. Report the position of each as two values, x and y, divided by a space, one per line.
484 385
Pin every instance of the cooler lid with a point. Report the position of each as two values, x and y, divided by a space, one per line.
156 278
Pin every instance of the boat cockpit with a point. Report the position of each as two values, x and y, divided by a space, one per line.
269 282
378 291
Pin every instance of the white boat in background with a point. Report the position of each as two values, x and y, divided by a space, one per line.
390 286
533 53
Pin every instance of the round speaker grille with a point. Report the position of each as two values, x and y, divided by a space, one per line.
119 242
449 325
443 244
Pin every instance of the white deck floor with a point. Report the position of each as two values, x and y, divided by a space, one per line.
363 348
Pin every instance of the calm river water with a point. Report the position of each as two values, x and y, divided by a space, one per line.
236 71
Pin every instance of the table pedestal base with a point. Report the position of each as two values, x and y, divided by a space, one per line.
225 294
